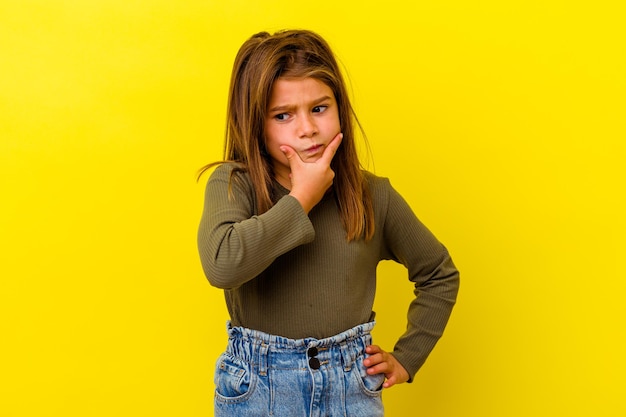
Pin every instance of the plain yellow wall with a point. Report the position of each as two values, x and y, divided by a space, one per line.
501 122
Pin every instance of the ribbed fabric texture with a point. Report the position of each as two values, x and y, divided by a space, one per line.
293 275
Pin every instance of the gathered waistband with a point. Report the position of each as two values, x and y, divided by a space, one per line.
284 343
263 350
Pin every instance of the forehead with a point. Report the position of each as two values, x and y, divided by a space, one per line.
298 90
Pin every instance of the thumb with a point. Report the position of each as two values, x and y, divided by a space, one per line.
288 152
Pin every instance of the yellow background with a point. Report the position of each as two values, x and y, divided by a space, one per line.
501 122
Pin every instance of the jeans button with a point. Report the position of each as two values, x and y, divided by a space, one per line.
314 363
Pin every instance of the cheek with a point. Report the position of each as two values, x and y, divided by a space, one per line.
271 139
274 151
336 122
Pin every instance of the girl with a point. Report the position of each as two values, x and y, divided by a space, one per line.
293 230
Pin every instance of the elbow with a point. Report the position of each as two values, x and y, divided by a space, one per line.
224 277
444 280
449 280
221 269
225 262
217 281
227 272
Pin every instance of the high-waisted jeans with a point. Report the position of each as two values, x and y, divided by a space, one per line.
265 375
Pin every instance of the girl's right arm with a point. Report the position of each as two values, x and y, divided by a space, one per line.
235 244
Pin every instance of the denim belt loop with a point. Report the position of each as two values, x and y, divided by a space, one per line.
263 361
346 356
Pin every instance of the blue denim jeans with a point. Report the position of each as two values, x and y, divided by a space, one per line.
265 375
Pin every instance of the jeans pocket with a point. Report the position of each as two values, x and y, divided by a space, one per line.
234 379
370 384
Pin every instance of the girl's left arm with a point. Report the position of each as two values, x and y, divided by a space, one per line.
435 278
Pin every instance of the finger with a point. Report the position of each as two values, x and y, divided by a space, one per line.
289 153
372 349
331 148
389 382
334 143
380 368
287 150
374 359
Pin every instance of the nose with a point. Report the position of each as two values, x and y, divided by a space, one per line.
306 126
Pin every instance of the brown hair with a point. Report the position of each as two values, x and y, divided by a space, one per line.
261 60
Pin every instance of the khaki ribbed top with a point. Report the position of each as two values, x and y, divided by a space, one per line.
293 275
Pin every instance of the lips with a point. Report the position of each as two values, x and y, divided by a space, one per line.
313 149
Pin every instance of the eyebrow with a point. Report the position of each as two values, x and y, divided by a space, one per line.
290 106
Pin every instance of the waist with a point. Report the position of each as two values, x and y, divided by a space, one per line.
273 351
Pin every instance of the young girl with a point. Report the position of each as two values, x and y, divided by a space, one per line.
293 230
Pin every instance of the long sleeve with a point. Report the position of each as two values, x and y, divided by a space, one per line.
435 277
296 275
235 244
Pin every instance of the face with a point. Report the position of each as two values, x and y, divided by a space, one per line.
302 114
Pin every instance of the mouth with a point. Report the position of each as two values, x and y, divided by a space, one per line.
313 149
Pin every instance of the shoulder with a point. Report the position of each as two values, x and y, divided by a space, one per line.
231 176
226 169
226 172
379 187
384 196
229 182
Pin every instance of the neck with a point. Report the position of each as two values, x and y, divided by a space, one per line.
283 180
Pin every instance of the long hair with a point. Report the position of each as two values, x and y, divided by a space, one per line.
261 60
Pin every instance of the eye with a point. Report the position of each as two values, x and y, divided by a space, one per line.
281 117
319 109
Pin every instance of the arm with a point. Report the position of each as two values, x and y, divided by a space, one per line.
436 281
234 243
